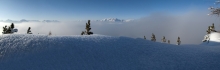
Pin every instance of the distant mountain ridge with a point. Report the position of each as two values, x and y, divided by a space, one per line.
110 20
48 21
24 20
115 20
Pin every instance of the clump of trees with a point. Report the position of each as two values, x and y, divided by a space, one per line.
88 28
164 40
9 30
209 30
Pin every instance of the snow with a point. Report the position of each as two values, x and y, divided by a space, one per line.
215 36
214 39
101 52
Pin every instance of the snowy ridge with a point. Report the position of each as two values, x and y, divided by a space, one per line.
100 52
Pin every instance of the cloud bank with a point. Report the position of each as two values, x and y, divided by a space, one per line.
24 20
190 27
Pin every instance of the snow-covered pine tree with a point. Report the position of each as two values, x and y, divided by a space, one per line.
12 25
178 41
88 28
29 31
144 37
208 30
163 39
4 29
153 38
8 30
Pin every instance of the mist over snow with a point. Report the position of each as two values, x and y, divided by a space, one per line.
191 27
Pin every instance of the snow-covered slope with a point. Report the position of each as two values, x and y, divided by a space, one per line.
99 52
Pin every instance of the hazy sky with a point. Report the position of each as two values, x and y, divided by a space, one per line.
170 18
94 9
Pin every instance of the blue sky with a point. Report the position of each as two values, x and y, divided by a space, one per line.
95 9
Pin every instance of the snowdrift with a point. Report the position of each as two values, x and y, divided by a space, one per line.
214 39
99 52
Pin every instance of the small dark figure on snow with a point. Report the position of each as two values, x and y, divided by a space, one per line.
178 41
168 41
153 38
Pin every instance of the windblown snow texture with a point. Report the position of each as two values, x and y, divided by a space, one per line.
99 52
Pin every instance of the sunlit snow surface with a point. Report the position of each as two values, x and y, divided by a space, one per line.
214 39
100 52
